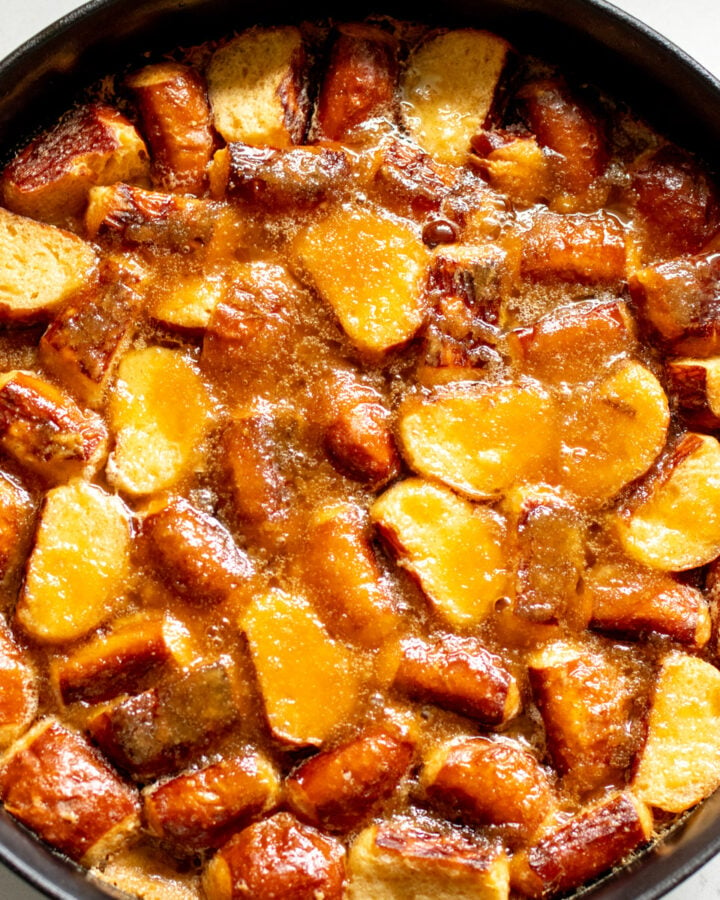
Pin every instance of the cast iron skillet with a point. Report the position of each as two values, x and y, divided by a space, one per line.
602 44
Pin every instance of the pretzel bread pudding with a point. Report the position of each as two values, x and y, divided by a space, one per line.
359 489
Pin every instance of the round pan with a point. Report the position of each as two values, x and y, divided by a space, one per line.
602 44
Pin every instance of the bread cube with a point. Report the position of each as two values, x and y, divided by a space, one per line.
50 179
448 88
458 673
410 180
613 432
46 431
120 660
513 164
295 660
176 119
194 553
43 267
633 601
340 788
551 549
159 730
202 808
399 859
16 511
371 280
695 384
680 762
674 523
18 689
292 179
573 135
157 439
484 781
576 343
586 696
358 88
77 569
477 438
60 787
577 247
257 87
674 200
454 549
259 488
676 301
590 843
342 573
132 215
84 343
360 443
188 303
278 857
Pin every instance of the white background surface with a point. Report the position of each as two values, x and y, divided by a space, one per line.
693 25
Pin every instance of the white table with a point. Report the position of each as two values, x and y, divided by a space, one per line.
693 25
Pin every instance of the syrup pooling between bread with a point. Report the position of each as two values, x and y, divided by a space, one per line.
360 490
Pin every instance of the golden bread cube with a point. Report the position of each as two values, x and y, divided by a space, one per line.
159 731
453 548
410 181
576 142
695 383
43 267
372 279
680 762
194 553
94 144
59 786
485 781
514 165
76 571
18 689
586 697
154 220
591 842
398 859
188 303
675 523
340 788
358 88
458 673
176 119
203 808
672 299
577 247
259 487
257 87
342 573
575 343
84 342
295 660
481 439
159 412
278 857
288 179
121 660
612 432
550 549
46 431
448 87
633 601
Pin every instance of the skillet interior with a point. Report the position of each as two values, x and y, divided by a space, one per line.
600 43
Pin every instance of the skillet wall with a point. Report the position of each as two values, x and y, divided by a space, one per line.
603 45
